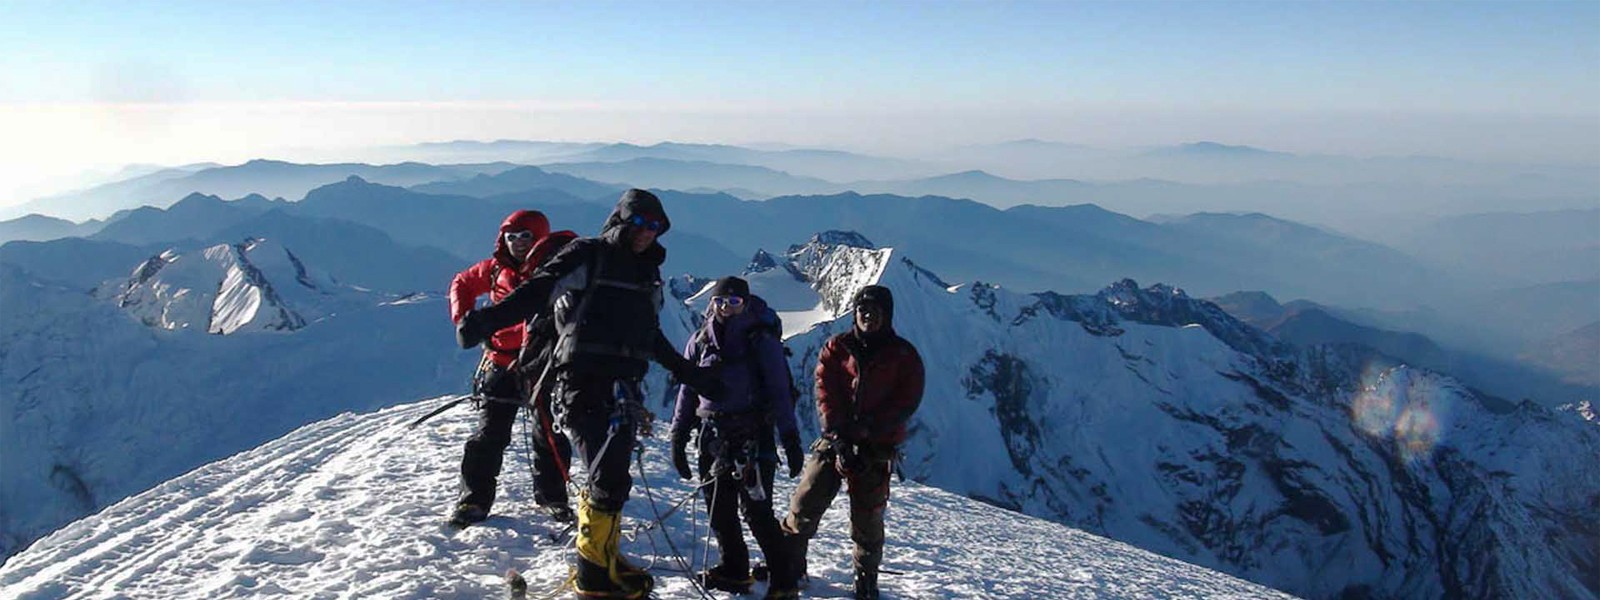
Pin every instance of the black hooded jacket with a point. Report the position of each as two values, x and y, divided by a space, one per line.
617 330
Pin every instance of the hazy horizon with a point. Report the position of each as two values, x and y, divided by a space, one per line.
97 85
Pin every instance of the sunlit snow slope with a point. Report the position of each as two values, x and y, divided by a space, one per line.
351 507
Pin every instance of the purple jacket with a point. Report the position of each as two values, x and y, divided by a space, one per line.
754 371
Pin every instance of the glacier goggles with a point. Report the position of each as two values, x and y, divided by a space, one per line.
733 301
647 223
519 236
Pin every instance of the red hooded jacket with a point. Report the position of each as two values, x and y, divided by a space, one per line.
876 391
499 274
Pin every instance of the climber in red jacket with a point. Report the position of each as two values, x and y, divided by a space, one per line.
501 384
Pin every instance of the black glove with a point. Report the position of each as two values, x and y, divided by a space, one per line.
705 381
792 453
680 455
470 331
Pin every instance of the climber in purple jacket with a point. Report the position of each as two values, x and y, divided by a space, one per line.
737 453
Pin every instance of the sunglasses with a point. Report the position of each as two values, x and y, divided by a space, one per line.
727 300
646 222
518 236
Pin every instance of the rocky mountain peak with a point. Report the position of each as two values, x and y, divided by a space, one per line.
1161 304
761 263
836 264
828 239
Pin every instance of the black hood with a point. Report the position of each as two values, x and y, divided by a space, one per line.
634 202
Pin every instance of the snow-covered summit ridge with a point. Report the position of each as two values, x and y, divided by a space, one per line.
833 265
351 507
252 286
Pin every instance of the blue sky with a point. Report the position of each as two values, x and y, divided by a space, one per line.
1481 56
1297 76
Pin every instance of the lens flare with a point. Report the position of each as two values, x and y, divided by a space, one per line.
1373 408
1405 405
1416 432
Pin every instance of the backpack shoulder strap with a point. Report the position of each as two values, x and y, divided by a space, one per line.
775 331
595 265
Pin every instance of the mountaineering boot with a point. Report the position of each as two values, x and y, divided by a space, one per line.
718 578
559 513
602 573
467 514
594 581
787 562
866 584
796 560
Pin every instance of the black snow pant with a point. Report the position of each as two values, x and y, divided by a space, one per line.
740 463
484 454
602 432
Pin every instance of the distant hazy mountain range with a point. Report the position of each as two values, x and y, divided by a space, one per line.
1027 247
35 228
520 179
1375 195
1573 354
831 165
1517 248
269 178
1556 374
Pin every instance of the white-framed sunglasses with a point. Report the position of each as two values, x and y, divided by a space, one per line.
519 236
727 301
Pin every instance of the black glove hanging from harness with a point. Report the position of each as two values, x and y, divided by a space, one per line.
793 454
680 454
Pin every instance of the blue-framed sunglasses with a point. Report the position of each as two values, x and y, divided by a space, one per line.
646 222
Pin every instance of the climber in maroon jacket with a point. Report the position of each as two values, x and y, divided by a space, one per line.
869 382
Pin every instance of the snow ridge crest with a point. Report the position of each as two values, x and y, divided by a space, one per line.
837 264
223 289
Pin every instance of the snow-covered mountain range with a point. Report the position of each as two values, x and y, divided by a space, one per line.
1061 248
106 393
1150 417
1139 414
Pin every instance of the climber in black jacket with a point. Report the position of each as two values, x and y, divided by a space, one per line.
605 294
